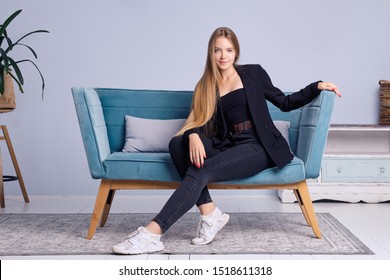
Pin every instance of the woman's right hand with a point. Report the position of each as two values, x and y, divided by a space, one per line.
197 151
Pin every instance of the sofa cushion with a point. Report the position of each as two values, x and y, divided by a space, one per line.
150 135
140 166
291 173
159 166
283 127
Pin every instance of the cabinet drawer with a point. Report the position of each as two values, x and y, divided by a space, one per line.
365 170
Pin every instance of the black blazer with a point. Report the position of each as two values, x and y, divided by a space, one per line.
259 88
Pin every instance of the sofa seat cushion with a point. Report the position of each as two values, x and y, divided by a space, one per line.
140 166
291 173
159 167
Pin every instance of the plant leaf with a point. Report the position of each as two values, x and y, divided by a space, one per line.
8 21
17 42
17 70
5 59
19 84
28 34
33 52
43 80
9 41
1 81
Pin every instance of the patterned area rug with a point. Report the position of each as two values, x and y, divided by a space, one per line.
246 233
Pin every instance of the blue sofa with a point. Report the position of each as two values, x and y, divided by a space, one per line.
101 114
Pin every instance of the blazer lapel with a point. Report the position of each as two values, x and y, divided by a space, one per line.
249 90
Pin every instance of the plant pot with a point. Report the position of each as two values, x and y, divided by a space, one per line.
7 99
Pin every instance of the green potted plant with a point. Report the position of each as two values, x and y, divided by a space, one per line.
9 67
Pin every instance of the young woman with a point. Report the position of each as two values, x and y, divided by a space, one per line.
228 135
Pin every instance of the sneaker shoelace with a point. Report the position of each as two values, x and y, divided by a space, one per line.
132 236
138 234
204 228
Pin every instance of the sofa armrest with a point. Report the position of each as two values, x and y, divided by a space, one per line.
93 129
313 132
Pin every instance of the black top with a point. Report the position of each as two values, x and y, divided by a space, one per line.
235 107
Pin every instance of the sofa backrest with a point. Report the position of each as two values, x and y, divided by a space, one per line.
93 128
150 104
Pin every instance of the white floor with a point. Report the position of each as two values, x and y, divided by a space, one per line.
369 222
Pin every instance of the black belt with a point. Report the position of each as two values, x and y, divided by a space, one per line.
242 126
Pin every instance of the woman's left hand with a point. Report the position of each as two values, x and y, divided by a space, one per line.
329 86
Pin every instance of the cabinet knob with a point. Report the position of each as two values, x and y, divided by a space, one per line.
382 170
339 169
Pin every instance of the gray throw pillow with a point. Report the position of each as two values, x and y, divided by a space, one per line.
283 127
150 135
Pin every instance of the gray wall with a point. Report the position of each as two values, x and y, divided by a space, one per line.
162 45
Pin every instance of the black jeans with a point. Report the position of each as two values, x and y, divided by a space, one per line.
245 158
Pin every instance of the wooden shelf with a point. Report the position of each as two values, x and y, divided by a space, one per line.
359 128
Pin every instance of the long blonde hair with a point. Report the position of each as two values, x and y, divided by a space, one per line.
205 95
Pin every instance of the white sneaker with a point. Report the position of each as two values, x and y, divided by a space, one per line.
140 241
209 226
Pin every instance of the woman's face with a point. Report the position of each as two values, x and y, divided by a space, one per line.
224 53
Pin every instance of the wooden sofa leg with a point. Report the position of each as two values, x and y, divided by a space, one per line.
107 207
303 196
101 200
298 197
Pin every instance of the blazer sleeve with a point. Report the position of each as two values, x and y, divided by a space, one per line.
287 102
196 130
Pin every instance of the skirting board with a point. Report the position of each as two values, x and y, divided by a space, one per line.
347 193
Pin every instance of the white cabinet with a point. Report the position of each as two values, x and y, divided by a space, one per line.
355 167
